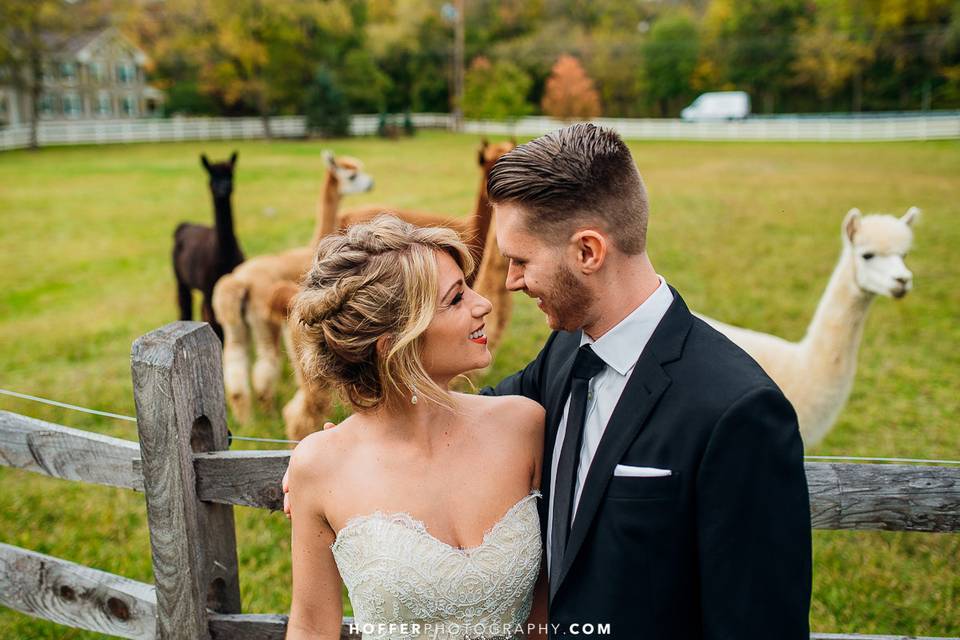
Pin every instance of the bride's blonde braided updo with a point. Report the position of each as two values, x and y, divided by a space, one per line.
368 281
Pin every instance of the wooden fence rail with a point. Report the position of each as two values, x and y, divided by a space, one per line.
191 483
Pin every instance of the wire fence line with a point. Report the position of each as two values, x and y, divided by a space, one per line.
118 416
73 407
790 128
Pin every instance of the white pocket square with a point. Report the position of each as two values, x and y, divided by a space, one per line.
640 472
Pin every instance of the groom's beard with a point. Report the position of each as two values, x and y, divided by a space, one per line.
566 301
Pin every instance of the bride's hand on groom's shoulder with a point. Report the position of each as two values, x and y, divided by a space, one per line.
285 483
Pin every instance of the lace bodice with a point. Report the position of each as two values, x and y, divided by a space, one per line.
404 583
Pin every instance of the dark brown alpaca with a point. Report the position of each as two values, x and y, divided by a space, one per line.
202 254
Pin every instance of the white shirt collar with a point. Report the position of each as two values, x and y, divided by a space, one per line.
621 346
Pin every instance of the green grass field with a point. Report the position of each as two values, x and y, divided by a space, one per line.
747 232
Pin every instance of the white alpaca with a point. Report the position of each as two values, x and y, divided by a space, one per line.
816 374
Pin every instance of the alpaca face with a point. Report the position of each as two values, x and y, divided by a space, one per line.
221 175
878 245
349 174
491 152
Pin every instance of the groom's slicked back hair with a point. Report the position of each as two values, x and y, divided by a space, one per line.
582 174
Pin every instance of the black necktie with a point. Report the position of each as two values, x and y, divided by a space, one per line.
586 365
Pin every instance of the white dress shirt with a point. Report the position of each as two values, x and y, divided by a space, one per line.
619 348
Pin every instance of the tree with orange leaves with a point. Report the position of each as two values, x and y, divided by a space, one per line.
570 94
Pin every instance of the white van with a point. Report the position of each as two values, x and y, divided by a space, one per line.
718 105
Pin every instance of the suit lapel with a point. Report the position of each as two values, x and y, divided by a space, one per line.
644 388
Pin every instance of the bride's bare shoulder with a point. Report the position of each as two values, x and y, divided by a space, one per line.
321 453
509 411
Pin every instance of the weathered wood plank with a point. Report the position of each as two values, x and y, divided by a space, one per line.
74 595
263 626
247 626
71 454
178 389
842 496
248 478
271 626
885 497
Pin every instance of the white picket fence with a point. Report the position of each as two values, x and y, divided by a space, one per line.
910 127
71 132
825 129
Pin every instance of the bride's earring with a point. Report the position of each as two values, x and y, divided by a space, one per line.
413 398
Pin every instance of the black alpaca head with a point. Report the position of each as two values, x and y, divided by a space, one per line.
221 175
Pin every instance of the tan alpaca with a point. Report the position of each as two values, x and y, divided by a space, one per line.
817 373
242 297
473 230
310 405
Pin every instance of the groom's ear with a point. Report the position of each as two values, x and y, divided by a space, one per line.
590 249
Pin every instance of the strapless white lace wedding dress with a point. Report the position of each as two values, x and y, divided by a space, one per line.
406 584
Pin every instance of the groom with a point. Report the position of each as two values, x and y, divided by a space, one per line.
675 502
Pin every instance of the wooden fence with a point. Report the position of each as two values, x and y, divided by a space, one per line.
818 129
191 482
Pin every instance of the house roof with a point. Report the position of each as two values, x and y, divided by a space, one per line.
80 46
71 44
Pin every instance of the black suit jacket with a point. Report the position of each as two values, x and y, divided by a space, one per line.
720 549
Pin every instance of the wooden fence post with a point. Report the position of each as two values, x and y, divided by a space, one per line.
178 389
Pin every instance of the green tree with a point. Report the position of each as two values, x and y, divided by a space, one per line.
827 59
326 106
911 39
253 54
363 83
495 91
669 59
948 93
617 56
411 44
757 42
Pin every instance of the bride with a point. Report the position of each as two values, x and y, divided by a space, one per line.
423 502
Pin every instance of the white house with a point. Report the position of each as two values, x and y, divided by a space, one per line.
94 74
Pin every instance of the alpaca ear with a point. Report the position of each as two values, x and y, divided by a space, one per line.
329 159
851 224
911 216
233 158
384 344
204 161
481 156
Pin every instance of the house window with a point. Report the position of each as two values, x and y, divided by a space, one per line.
72 107
46 105
126 73
97 72
128 106
104 104
68 71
